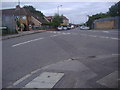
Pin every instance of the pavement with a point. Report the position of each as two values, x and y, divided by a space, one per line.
23 33
62 59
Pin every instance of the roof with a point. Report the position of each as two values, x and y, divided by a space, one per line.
22 11
107 19
41 19
65 18
49 17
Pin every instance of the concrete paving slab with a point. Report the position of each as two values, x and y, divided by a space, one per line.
45 80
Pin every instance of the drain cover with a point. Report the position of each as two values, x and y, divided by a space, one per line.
45 80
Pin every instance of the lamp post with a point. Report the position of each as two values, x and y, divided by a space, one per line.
58 8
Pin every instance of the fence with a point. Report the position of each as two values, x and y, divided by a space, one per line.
43 27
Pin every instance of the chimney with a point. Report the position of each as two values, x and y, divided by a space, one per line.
17 7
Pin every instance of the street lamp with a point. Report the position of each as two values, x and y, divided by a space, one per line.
58 8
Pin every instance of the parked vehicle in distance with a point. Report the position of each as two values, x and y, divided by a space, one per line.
60 27
68 27
65 28
84 28
72 26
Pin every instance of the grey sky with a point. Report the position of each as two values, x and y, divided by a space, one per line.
76 12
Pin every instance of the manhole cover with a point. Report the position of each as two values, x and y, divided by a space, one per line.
91 56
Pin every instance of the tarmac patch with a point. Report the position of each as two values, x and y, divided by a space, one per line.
110 80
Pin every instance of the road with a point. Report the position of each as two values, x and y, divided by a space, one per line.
93 55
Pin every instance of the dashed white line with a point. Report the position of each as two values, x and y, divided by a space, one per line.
115 38
116 54
54 35
100 36
106 31
27 42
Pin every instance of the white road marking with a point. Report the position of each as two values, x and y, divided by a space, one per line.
68 33
54 32
100 36
106 31
115 38
27 42
22 79
35 71
54 35
115 54
45 80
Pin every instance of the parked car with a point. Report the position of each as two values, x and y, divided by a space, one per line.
68 27
60 27
72 26
65 28
84 28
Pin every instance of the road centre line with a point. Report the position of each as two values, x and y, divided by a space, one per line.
27 42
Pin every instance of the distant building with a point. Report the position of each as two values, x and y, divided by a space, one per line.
65 20
24 16
49 18
107 23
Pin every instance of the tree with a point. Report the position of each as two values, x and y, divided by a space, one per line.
57 19
114 10
33 10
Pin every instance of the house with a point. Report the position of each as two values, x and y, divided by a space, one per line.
65 20
49 18
12 18
107 23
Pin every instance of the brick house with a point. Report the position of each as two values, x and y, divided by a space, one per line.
107 23
65 19
9 17
49 18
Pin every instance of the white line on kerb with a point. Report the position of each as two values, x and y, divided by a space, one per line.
26 42
22 79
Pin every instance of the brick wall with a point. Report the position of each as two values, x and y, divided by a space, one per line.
105 25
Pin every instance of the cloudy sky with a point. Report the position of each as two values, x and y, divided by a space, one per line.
76 12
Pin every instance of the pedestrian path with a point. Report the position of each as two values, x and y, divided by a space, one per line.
23 33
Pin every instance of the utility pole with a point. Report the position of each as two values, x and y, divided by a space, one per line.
19 2
58 8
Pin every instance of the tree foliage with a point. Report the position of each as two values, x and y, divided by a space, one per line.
33 10
114 10
94 17
57 20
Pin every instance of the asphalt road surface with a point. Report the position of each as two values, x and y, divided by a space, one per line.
92 57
